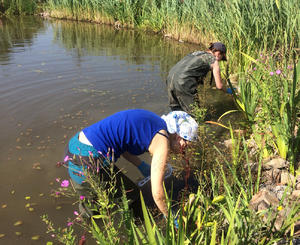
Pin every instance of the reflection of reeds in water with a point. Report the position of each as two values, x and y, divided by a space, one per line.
132 46
242 25
19 30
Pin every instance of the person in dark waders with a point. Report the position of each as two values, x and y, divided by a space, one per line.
131 133
184 78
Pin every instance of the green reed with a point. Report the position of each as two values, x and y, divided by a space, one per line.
17 7
270 98
224 217
248 26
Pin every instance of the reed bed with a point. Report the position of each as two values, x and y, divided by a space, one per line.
17 7
248 26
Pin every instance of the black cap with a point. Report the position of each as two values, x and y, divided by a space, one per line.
219 47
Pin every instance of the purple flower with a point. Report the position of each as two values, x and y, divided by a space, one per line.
76 213
290 67
66 158
57 180
69 223
254 68
65 183
278 72
271 73
52 235
82 198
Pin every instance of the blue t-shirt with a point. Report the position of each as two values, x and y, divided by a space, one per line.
129 130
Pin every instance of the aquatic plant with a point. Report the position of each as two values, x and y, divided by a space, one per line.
223 217
18 7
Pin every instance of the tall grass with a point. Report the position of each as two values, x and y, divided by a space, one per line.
17 7
245 26
224 217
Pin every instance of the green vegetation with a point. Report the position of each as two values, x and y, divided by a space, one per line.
262 38
18 7
218 213
244 26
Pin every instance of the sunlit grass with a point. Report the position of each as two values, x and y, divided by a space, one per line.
17 7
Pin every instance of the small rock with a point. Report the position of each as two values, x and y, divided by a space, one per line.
263 199
228 143
276 163
287 178
296 194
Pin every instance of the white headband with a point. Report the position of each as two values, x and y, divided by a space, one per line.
181 123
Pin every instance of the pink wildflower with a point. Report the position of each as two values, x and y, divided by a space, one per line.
57 180
290 67
254 69
76 213
65 183
57 193
66 158
271 73
278 72
69 223
82 198
52 235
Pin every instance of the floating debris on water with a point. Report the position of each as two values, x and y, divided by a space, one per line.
36 166
27 197
4 206
37 237
58 207
2 235
18 233
18 223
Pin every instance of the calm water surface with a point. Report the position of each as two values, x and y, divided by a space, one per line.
57 77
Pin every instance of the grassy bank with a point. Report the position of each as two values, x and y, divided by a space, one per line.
18 7
248 26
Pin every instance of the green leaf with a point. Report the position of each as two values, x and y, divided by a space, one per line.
148 225
214 234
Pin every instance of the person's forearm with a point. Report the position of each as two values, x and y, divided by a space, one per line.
161 203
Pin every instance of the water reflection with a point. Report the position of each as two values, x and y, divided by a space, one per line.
57 77
17 33
135 47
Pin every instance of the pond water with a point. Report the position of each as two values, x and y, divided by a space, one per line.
57 77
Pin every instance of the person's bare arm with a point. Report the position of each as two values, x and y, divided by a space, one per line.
132 158
159 149
217 75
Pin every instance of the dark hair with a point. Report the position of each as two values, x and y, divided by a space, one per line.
218 47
